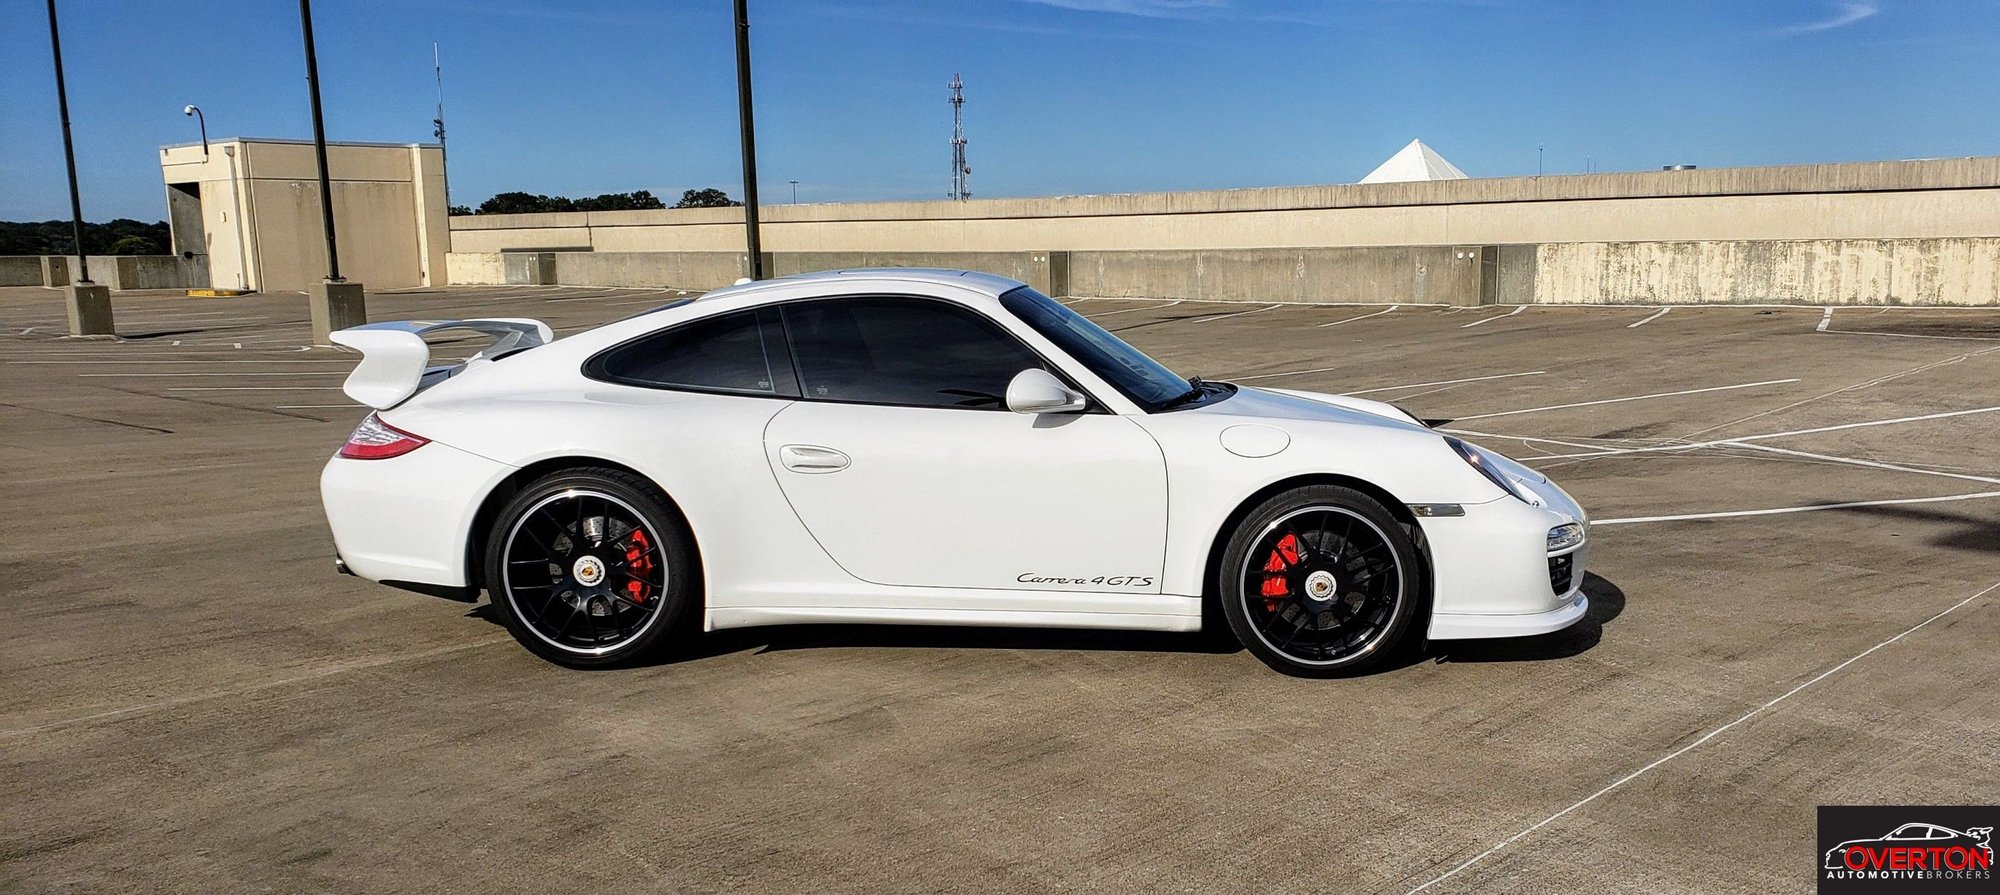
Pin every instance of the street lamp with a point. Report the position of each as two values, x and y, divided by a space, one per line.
195 111
795 192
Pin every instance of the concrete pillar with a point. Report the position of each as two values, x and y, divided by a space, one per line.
89 309
335 306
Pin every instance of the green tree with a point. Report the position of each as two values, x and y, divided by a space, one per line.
707 198
134 245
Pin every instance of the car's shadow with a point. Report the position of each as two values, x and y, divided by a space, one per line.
1606 602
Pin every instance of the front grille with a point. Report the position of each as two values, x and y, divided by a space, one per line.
1562 572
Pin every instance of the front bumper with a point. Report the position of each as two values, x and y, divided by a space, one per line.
1492 571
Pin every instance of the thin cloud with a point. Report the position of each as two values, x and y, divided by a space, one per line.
1151 9
1849 14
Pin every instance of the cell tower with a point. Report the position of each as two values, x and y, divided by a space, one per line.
960 171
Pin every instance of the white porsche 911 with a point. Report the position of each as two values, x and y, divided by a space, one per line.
922 447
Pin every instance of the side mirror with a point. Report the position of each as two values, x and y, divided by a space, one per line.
1038 391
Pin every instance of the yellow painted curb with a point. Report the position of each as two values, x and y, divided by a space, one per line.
217 293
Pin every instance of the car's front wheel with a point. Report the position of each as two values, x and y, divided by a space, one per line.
1320 581
591 567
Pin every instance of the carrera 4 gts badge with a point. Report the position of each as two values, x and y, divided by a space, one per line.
1100 580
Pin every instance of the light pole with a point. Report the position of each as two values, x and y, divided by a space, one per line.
89 304
195 111
795 192
336 303
749 138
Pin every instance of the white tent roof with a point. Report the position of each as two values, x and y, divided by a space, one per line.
1414 162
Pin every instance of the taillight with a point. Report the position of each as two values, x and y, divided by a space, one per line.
377 440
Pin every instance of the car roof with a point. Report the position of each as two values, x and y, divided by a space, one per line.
987 283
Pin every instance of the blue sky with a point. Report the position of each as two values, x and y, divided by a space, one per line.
1064 96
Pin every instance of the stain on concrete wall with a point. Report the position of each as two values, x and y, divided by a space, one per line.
1943 272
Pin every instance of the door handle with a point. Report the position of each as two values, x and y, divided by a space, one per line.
809 458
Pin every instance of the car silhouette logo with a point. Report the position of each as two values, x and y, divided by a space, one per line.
1916 846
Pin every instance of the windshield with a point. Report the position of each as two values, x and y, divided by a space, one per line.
1128 369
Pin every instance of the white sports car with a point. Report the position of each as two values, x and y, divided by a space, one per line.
922 447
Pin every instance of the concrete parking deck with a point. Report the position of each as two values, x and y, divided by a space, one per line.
1794 604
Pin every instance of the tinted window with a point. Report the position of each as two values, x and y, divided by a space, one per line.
742 352
903 351
1141 378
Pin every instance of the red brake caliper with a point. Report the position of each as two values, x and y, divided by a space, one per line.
1283 556
639 559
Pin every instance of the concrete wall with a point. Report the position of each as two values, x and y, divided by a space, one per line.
1913 232
21 270
1820 272
1876 200
119 272
474 269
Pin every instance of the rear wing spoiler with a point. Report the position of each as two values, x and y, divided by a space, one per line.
395 359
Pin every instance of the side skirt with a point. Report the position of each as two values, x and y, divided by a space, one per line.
750 616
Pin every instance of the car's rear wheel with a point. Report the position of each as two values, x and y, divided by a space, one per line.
1320 581
591 567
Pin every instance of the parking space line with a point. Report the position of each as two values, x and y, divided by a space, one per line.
255 388
315 406
211 373
1824 319
1656 315
1691 391
1874 464
1730 514
1130 310
1699 741
1362 317
1393 388
1237 313
1766 436
1859 385
1494 317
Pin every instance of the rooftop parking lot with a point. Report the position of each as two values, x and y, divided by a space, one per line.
1793 604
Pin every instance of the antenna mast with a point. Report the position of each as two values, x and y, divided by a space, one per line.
960 171
437 124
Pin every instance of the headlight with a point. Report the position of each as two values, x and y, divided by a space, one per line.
1563 537
1486 465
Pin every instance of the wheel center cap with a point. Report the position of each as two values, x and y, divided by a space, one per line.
588 571
1321 585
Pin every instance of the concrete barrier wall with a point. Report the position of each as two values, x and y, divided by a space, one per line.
1819 272
21 270
1404 274
686 270
474 269
1875 200
122 272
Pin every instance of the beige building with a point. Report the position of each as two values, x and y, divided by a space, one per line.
251 209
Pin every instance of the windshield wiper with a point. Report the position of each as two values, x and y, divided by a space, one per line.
1196 389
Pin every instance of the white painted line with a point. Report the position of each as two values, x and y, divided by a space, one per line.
244 373
1495 317
1874 464
255 388
1656 315
1698 742
1362 317
1130 310
1859 385
1237 313
1692 391
1863 332
1824 319
1805 509
1768 435
212 360
314 406
1393 388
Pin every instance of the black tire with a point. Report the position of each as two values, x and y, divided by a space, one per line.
591 568
1320 581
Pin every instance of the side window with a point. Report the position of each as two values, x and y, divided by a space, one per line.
905 351
739 353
